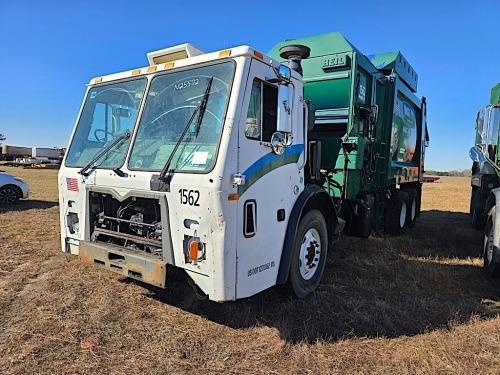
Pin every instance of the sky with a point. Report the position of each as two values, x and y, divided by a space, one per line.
49 51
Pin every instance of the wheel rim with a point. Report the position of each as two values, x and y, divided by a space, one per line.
8 195
402 215
488 246
413 209
310 254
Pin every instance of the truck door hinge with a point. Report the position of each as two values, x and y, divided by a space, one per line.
238 179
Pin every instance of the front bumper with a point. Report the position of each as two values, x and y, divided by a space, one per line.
137 265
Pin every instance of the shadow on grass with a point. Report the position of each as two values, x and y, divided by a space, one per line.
393 286
30 204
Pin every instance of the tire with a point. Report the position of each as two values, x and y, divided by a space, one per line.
476 215
412 211
396 213
490 251
308 254
9 194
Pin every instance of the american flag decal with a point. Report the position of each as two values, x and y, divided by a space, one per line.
72 184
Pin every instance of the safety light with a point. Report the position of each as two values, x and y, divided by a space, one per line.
233 197
136 72
169 65
98 80
225 53
194 247
152 69
258 54
179 52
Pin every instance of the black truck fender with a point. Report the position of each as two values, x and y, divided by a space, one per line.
312 197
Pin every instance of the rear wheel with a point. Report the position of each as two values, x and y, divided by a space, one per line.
308 254
396 213
9 195
490 250
411 212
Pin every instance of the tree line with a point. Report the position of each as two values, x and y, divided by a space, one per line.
454 173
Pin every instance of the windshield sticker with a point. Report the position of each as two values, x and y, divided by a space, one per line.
200 158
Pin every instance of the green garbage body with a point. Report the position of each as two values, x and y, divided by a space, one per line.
368 119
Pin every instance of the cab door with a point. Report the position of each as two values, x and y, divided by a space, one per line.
267 182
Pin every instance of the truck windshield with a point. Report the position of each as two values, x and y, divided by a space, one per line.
172 99
109 112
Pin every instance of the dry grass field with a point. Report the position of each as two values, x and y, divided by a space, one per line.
417 304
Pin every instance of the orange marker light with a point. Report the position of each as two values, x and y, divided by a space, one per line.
233 197
169 65
136 72
258 54
152 69
225 53
193 250
98 80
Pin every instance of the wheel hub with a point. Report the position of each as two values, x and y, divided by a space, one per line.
310 252
7 196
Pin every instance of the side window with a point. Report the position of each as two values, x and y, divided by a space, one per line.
261 121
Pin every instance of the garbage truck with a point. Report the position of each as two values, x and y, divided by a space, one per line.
242 168
485 180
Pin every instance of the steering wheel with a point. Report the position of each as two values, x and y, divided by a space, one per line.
159 124
103 139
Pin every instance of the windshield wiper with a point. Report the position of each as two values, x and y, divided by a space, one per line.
83 171
201 108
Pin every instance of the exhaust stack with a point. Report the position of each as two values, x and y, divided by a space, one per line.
294 54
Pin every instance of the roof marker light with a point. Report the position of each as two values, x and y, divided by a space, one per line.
258 54
136 72
169 65
225 53
98 80
152 69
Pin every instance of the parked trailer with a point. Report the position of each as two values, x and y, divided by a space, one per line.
47 153
10 152
221 165
485 181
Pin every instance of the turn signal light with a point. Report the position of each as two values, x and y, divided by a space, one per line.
194 246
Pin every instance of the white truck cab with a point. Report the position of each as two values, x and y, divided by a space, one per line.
198 162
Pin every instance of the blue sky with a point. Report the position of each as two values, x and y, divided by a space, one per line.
49 51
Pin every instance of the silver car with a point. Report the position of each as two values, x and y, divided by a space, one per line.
12 189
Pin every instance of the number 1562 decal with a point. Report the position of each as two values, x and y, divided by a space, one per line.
190 197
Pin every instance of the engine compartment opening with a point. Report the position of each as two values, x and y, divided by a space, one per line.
134 223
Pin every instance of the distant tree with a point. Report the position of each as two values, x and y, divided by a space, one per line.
2 138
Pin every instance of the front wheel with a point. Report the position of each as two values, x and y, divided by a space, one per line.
9 195
491 267
308 254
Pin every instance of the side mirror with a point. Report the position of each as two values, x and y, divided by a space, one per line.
122 112
476 155
278 143
285 73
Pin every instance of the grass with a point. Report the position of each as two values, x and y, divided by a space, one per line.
416 304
